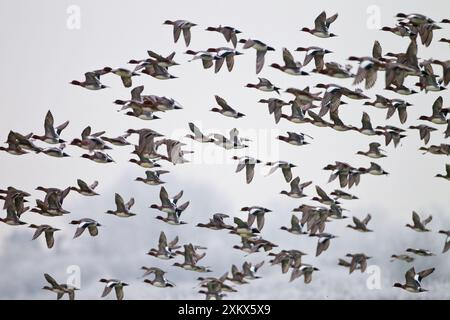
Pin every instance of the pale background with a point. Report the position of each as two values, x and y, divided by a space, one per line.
39 57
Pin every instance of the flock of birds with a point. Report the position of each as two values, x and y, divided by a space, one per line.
397 68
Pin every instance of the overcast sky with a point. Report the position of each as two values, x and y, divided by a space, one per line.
41 55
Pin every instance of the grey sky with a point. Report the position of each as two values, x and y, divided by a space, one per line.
41 55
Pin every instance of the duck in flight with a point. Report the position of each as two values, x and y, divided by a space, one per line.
152 178
171 207
424 132
166 250
296 139
285 168
86 223
413 280
124 74
402 257
234 142
99 157
421 252
323 242
85 189
228 32
296 227
59 289
256 213
296 188
117 285
315 53
216 222
92 80
122 208
291 66
374 151
361 225
249 164
159 281
52 133
48 232
359 261
322 25
181 25
419 225
197 134
261 50
264 85
225 109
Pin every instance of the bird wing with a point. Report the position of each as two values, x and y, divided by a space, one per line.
126 80
287 172
376 50
222 103
295 185
305 184
187 36
240 166
295 223
78 232
176 32
94 185
331 19
409 277
162 242
288 59
136 93
83 185
307 276
371 78
240 223
174 242
358 223
38 232
219 62
260 60
92 77
366 124
120 203
437 106
320 22
164 197
322 193
425 273
318 60
177 196
427 220
49 239
93 230
416 219
129 204
296 273
48 125
234 270
230 62
260 221
249 172
106 291
234 136
52 281
367 219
